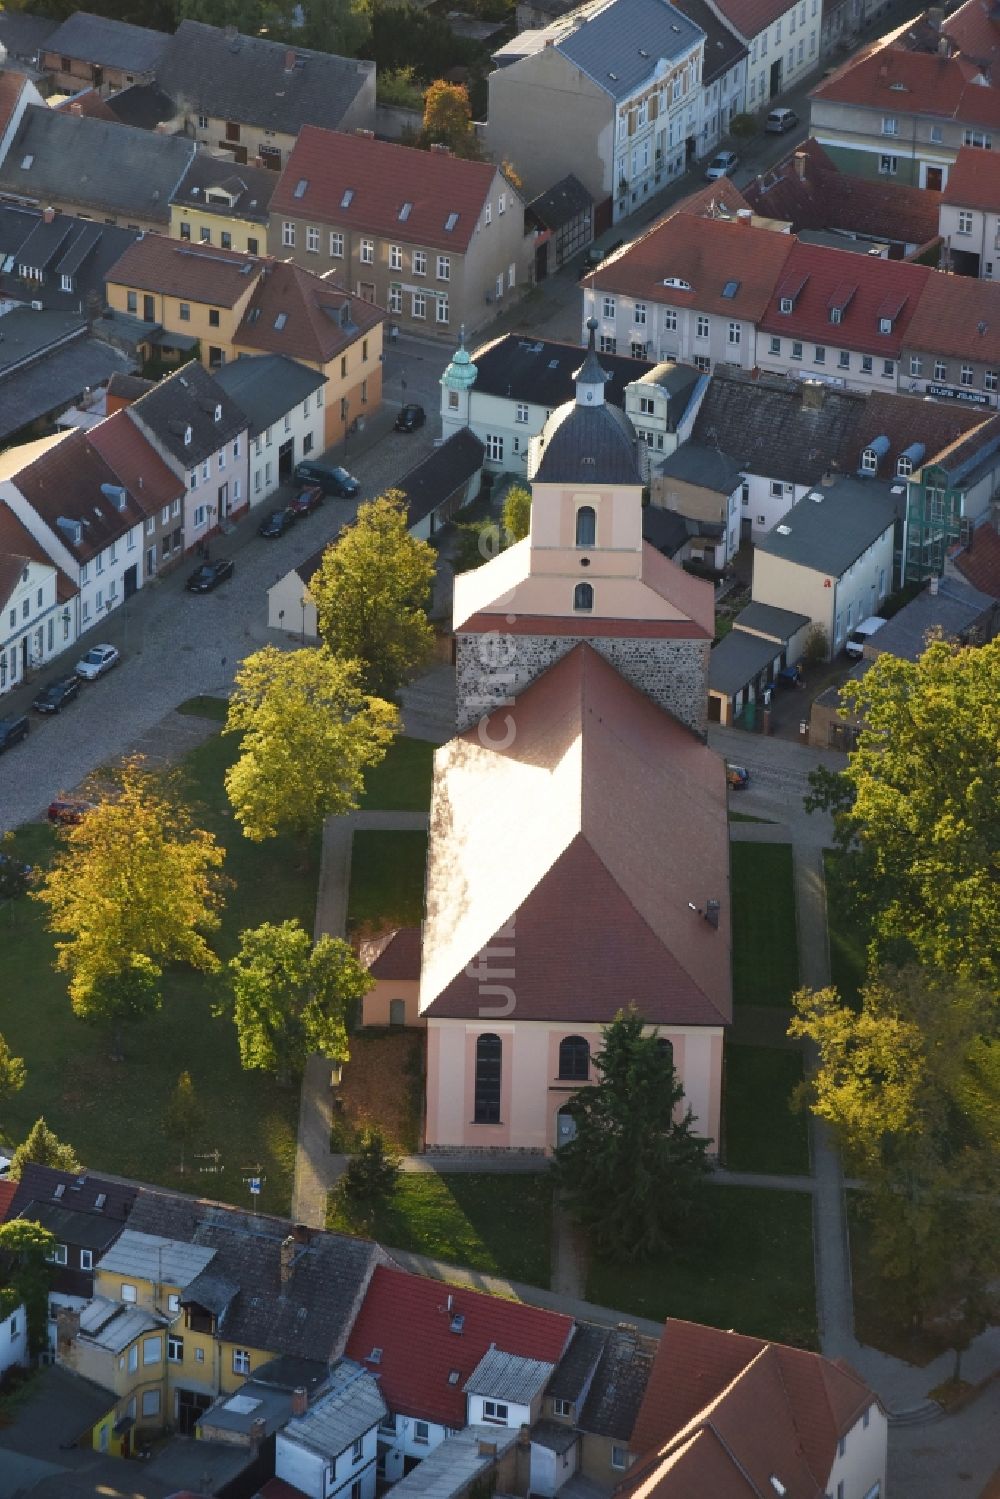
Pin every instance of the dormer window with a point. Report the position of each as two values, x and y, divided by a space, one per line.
885 325
786 304
904 467
869 461
836 314
583 597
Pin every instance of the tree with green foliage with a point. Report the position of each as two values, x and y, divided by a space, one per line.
631 1176
29 1246
292 997
135 887
184 1116
448 119
517 513
310 731
252 17
910 1083
372 591
43 1148
370 1175
13 1073
478 541
917 810
339 26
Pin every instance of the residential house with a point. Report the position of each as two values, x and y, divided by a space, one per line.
443 483
594 1395
745 663
83 517
290 605
729 1415
425 1344
952 343
16 92
478 1460
13 1336
201 435
562 223
283 404
704 485
782 40
723 76
627 74
93 169
265 1403
949 494
47 361
969 214
87 102
32 594
159 489
692 288
23 36
808 192
840 317
905 106
332 1448
437 241
216 204
101 53
978 561
56 261
249 96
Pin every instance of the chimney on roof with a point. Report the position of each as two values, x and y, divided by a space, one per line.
486 1449
300 1401
828 480
944 46
287 1256
48 215
800 160
258 1431
744 217
303 1233
440 149
290 60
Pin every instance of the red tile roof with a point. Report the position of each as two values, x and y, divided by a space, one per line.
199 273
957 317
776 1409
825 198
974 180
305 316
11 86
750 17
66 481
979 563
382 177
135 462
867 289
8 1191
410 1319
895 81
395 955
89 103
974 31
707 254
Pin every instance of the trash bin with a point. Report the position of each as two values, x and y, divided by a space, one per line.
750 715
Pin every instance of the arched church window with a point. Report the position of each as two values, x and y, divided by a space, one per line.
574 1058
489 1061
586 526
583 596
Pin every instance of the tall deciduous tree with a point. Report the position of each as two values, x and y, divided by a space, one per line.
136 886
291 997
917 811
631 1176
29 1244
13 1072
184 1115
310 732
448 118
372 592
517 513
44 1148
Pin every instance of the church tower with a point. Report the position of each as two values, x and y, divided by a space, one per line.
456 386
584 573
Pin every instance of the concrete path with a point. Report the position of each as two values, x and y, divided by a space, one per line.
569 1255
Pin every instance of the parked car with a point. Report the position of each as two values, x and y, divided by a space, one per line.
789 676
69 809
866 629
780 120
98 660
308 499
13 730
209 575
723 165
410 418
331 480
738 777
55 695
277 522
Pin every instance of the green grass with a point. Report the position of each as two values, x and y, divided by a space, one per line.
760 1130
402 783
848 962
387 880
753 1270
765 958
495 1222
112 1112
215 708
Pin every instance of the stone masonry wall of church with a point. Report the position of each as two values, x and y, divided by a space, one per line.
491 670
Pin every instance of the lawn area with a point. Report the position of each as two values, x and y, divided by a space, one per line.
491 1221
382 1084
760 1131
765 958
215 708
402 783
874 1319
848 963
112 1112
387 880
753 1270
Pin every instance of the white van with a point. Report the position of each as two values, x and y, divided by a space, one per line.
856 640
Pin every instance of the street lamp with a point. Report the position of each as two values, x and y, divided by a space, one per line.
303 601
281 619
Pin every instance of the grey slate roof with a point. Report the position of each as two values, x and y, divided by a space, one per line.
433 480
566 200
555 1435
588 445
723 50
114 44
24 35
768 619
266 386
68 246
351 1407
954 609
540 371
508 1376
250 188
87 1230
618 44
311 1314
212 1290
455 1464
576 1368
244 79
81 1193
708 467
55 380
94 163
666 530
768 429
143 105
619 1384
188 398
829 534
737 659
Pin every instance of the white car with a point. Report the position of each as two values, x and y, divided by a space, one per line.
98 660
723 165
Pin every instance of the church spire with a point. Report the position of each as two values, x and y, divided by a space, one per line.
590 378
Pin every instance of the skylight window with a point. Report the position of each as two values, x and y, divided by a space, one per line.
404 212
280 321
345 201
450 222
375 1357
730 289
454 1375
300 187
100 1200
26 163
